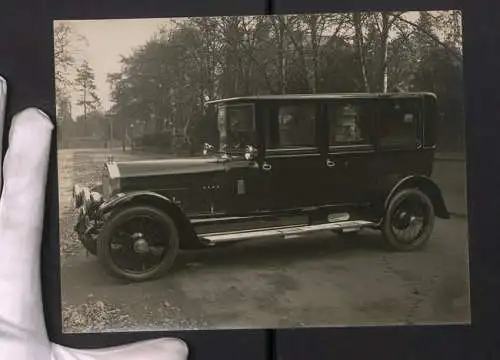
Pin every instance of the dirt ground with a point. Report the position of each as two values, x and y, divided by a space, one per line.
309 281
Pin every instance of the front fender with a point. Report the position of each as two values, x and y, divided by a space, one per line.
123 199
187 234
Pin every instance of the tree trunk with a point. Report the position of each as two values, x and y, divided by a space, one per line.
382 70
186 132
314 46
282 53
360 49
85 109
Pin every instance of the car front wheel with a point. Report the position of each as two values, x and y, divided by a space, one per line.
138 244
409 220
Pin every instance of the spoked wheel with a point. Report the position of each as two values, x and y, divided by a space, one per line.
409 220
138 244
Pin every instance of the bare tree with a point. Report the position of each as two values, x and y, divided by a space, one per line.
456 35
360 48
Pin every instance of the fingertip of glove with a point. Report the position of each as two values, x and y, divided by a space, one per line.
30 125
154 349
34 114
3 86
177 345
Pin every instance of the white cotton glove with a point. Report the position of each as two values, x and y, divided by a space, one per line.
22 328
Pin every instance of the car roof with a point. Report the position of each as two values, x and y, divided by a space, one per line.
321 96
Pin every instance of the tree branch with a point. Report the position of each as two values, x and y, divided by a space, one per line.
452 51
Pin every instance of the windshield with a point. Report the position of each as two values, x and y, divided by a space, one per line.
236 128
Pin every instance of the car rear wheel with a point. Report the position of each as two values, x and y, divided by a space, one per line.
138 244
409 220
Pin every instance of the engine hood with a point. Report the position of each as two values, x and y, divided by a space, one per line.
131 169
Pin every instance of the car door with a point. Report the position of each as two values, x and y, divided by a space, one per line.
244 191
292 164
350 164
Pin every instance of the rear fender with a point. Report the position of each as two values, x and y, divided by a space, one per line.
187 235
427 186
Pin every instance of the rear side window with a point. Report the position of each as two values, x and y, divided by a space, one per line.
292 126
397 122
349 123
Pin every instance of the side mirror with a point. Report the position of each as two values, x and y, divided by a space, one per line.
250 152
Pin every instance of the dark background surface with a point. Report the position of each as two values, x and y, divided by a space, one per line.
26 63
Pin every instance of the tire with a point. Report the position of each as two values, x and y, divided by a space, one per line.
90 246
396 217
161 223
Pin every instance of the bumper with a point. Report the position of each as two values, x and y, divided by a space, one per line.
84 196
87 202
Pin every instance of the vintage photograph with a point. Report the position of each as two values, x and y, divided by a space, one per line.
282 171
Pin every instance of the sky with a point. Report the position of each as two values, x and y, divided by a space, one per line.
107 40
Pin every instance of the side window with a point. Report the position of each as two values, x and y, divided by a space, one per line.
398 123
349 124
240 126
295 126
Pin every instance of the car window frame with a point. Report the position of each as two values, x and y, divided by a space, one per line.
370 144
272 108
228 107
418 127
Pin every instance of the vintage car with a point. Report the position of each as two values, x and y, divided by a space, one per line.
286 165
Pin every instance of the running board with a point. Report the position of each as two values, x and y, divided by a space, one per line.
285 231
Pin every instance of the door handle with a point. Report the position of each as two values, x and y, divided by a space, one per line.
266 166
330 163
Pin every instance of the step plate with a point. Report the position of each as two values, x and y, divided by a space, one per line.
286 231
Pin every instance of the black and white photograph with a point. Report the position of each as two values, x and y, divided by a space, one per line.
273 171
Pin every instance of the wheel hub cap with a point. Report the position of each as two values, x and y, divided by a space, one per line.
141 246
403 220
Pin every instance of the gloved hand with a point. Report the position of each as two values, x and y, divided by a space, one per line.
22 328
